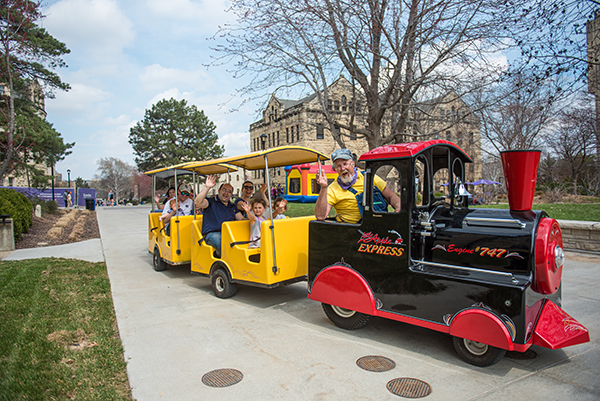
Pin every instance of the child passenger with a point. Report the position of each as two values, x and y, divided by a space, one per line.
279 207
255 211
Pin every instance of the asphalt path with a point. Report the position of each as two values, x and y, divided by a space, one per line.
174 331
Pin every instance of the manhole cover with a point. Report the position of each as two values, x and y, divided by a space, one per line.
222 377
374 363
529 354
409 388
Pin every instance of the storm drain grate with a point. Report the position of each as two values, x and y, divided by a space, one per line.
409 388
374 363
222 377
529 354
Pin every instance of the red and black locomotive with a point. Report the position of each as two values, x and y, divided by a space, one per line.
490 278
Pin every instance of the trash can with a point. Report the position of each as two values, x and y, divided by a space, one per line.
90 204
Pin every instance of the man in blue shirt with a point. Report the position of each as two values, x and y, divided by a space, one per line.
216 210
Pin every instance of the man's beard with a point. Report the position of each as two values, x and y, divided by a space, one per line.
347 179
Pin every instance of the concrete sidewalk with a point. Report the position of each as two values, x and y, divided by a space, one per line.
174 330
90 251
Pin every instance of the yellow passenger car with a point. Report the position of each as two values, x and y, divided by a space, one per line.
283 256
176 248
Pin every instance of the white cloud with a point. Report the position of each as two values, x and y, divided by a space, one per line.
237 143
126 55
81 98
113 140
97 28
157 77
168 94
122 120
207 14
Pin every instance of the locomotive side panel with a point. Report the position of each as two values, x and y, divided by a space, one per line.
489 239
399 288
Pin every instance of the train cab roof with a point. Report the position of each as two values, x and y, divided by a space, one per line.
412 149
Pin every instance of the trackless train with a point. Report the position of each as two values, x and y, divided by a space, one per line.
490 278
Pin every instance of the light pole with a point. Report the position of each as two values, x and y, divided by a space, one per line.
69 177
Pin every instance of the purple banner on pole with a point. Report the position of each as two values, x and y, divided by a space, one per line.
59 194
85 193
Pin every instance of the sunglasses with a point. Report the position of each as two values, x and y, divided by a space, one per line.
185 193
247 187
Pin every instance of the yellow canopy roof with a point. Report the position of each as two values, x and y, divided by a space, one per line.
188 168
275 157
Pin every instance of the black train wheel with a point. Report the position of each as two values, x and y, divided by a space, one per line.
346 318
478 354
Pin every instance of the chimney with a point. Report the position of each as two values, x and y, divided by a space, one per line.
520 172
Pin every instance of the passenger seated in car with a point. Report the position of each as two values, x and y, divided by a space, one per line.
216 210
247 194
171 208
279 208
255 212
168 196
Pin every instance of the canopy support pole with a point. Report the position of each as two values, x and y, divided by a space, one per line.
272 227
177 212
195 188
154 205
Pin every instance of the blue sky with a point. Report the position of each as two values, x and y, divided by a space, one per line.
126 56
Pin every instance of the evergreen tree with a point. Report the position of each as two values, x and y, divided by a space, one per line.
39 143
27 55
173 132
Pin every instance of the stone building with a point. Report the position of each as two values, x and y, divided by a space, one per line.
449 117
301 122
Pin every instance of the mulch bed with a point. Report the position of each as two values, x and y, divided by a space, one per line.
38 232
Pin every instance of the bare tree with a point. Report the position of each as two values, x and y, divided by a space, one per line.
575 142
555 42
396 53
516 113
115 175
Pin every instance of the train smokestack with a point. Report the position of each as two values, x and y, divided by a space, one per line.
520 172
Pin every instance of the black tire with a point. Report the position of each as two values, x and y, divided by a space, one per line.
157 262
345 318
477 354
222 287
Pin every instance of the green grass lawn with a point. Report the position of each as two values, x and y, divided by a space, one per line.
300 209
563 211
59 337
559 211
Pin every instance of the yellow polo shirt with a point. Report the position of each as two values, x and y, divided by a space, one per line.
344 201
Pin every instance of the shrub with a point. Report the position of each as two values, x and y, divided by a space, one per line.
554 195
48 207
7 207
19 207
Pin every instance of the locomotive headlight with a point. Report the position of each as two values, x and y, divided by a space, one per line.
549 257
559 257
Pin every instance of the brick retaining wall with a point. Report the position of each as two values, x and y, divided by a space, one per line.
580 235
